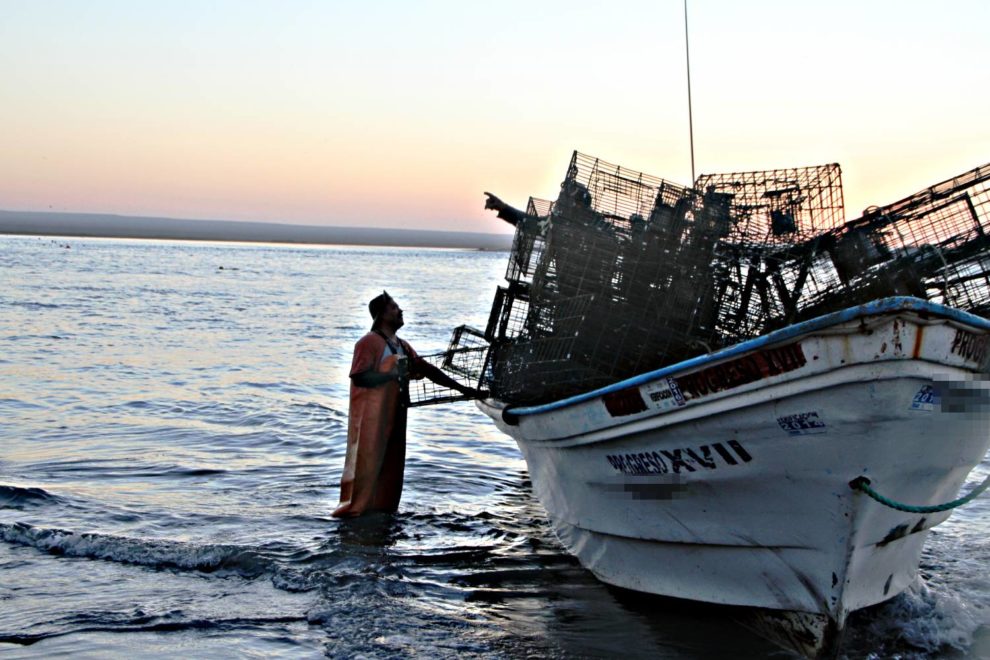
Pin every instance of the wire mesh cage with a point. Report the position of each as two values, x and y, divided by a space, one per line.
780 207
933 245
622 283
465 360
762 266
528 243
509 315
625 272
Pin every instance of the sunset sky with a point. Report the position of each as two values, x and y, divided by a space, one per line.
400 114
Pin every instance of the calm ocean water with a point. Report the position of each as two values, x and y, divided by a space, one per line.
172 429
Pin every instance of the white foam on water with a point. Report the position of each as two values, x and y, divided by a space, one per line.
156 553
931 618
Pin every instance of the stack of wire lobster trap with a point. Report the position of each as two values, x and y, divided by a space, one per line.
625 273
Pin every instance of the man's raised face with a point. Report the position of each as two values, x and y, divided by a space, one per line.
393 315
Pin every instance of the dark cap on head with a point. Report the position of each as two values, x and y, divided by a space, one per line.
377 306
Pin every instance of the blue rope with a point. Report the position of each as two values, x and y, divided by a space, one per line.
863 484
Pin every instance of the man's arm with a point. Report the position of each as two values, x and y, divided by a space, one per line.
367 353
424 368
372 378
508 213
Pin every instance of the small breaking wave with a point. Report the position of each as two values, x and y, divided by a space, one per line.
16 497
152 553
148 624
33 304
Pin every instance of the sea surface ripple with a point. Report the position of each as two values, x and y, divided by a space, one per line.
173 421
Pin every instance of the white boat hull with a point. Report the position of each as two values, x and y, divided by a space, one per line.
727 479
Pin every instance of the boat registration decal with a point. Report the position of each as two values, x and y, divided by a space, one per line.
746 369
664 394
675 461
805 423
969 346
926 399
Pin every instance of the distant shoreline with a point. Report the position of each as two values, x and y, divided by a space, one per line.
94 225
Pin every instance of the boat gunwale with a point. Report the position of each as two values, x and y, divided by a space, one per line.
847 375
874 308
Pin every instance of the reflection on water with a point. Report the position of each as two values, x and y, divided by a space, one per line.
171 440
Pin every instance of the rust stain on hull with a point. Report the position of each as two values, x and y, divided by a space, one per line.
917 341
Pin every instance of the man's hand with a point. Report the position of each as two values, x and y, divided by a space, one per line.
504 211
473 393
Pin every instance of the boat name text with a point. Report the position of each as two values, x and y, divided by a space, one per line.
675 461
746 369
626 401
970 347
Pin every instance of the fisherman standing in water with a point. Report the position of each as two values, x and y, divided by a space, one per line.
376 425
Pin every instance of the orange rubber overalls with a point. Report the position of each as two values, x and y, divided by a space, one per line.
376 433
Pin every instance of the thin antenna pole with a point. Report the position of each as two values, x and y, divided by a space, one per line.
687 58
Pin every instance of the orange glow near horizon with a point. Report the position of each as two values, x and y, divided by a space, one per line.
331 114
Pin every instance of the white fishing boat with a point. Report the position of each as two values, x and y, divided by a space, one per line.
727 393
726 478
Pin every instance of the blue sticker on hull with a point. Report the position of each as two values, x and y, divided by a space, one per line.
926 399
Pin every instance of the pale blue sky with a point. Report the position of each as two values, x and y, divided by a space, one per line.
401 114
